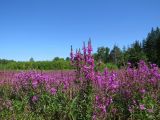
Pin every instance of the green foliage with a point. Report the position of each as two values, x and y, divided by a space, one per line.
111 66
56 64
101 66
56 107
115 55
102 54
21 106
151 46
147 50
82 104
135 53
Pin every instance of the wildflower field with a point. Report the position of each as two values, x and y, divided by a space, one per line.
84 93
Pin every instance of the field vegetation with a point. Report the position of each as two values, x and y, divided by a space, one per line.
87 92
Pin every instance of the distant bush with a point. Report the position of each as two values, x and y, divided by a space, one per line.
59 64
101 66
111 66
56 64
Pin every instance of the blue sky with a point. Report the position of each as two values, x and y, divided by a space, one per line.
43 29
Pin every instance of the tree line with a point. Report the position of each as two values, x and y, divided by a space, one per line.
56 64
147 49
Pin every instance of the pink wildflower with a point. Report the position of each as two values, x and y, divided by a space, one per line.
53 91
142 107
34 98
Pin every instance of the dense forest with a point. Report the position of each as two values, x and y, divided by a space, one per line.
147 49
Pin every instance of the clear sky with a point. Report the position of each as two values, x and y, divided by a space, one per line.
43 29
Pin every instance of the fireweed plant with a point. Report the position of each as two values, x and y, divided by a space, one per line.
85 93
